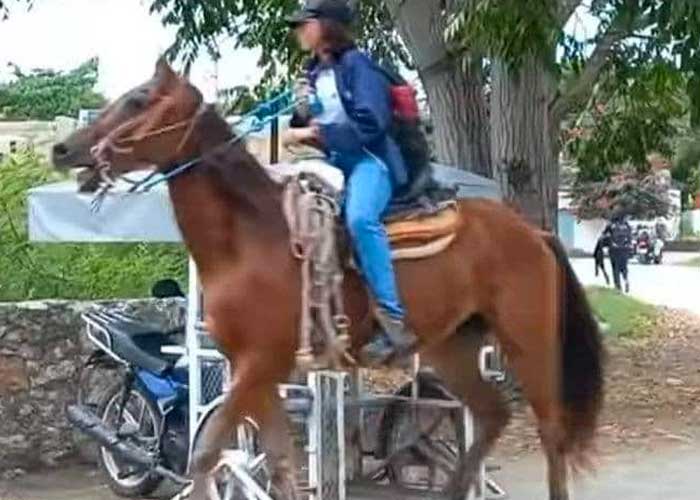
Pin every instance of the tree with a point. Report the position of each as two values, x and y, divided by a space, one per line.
537 74
640 196
540 75
407 32
45 94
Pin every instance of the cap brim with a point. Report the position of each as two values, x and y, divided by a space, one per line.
299 18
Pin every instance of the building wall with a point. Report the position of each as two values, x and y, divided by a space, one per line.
40 135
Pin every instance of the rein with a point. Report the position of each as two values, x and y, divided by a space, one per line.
260 116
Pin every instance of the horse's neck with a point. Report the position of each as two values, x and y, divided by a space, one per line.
227 203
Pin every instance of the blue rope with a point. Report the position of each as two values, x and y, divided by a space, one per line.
149 182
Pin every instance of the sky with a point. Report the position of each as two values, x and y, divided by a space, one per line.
61 34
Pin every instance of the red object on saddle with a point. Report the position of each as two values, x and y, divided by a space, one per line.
404 102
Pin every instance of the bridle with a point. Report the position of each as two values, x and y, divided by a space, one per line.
140 129
111 144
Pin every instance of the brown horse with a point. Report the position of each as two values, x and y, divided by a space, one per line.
499 271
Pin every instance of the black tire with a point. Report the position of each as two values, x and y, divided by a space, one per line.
139 484
659 259
391 422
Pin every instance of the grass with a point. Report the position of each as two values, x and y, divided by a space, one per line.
624 316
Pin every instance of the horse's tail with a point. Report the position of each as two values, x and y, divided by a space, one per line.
582 357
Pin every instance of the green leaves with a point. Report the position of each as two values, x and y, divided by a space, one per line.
633 112
260 24
510 30
81 271
45 94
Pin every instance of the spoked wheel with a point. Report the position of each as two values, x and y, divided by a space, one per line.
242 469
140 424
423 449
420 444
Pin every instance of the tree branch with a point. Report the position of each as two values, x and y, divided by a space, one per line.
566 10
582 86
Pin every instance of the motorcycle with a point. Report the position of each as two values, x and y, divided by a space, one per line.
141 421
648 248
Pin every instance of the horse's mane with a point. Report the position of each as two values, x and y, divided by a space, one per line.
243 181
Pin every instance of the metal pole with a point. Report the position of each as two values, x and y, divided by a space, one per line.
274 141
194 314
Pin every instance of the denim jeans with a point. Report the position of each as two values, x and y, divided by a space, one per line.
368 191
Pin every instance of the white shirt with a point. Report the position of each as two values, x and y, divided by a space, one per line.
327 94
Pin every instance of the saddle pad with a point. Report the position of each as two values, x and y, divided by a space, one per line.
443 223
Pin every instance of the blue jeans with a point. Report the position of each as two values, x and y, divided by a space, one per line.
368 191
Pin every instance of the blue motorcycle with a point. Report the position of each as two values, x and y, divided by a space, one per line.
140 422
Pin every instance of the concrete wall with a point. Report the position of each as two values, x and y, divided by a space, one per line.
42 347
39 135
691 221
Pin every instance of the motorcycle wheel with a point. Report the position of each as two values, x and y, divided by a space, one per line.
140 413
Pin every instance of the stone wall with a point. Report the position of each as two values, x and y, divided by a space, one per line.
42 347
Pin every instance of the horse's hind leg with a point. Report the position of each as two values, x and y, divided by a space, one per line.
535 359
456 362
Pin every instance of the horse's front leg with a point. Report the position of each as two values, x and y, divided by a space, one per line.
219 430
277 444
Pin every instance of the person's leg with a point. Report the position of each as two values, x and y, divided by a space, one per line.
624 260
368 193
615 260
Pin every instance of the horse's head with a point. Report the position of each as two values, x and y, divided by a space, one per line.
148 125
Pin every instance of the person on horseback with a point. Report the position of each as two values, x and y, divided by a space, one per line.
348 112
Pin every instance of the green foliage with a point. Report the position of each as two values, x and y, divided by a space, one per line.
686 165
76 271
45 94
261 25
510 30
633 112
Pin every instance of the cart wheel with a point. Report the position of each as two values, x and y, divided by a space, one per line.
421 444
243 454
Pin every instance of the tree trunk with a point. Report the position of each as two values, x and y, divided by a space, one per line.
460 118
455 91
524 140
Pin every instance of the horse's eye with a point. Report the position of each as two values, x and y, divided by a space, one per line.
138 102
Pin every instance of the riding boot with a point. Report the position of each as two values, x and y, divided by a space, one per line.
395 341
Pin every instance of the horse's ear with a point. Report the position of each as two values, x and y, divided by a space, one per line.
164 75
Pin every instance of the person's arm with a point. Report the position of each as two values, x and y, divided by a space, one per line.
371 113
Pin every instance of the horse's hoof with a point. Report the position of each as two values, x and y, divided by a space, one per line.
204 461
199 489
284 485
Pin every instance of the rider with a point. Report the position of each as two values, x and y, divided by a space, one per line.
349 117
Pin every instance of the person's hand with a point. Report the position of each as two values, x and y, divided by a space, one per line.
302 91
294 136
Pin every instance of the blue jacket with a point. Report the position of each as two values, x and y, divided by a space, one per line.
364 90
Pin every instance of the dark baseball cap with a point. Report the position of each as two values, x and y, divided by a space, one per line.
336 10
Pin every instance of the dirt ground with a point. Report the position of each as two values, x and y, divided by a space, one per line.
652 392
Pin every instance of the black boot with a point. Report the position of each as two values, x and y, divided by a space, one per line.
395 341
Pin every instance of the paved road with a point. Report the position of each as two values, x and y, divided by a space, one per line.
669 284
670 473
